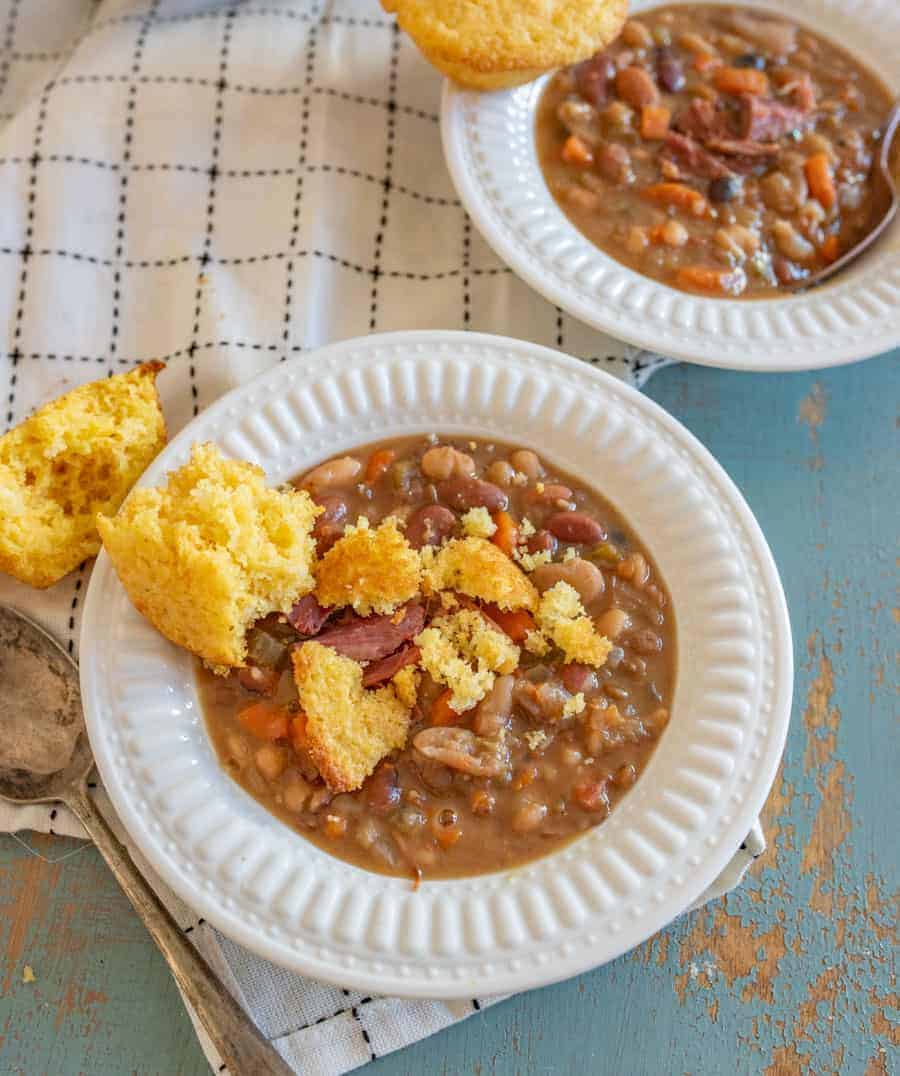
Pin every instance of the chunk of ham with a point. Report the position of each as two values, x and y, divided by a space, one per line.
371 638
701 120
379 672
307 616
763 119
693 159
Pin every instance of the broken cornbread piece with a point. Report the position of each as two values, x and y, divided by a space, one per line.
574 705
463 652
372 570
561 617
477 523
75 457
406 684
476 567
348 729
212 551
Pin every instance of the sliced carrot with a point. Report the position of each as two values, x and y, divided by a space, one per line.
820 179
442 713
575 151
378 464
516 623
655 121
678 195
830 249
711 281
335 826
704 62
264 720
298 732
506 535
741 80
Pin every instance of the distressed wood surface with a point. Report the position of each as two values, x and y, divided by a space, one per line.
791 974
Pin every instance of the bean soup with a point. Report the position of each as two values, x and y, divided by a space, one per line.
553 743
718 149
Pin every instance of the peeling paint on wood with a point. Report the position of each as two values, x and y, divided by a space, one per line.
792 974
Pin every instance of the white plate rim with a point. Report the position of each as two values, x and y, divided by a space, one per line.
854 317
428 978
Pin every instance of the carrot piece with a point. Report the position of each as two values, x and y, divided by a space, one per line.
516 623
655 121
820 180
298 732
378 464
575 151
741 80
703 61
830 249
678 195
264 720
711 281
506 535
442 713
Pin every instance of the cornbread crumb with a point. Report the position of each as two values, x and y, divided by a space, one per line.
477 523
476 567
371 570
574 705
539 486
526 528
537 739
348 729
76 456
530 561
497 44
535 643
406 685
463 652
211 551
569 553
449 600
562 618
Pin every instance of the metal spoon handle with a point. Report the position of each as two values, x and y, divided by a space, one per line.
241 1046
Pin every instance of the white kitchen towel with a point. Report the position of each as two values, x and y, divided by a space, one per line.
224 186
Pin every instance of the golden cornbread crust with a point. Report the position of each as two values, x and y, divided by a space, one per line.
372 570
348 729
211 551
477 568
75 457
497 44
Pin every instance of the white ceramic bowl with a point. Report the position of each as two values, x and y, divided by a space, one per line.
490 151
271 890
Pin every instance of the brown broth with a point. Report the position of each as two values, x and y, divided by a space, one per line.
752 232
409 837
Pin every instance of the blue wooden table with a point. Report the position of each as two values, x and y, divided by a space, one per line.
792 974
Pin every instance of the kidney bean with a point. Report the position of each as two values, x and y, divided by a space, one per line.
372 637
550 494
585 577
542 541
576 677
592 78
463 493
333 474
669 72
329 526
383 788
379 672
307 616
429 525
576 527
636 87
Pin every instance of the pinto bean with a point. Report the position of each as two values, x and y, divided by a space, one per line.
429 525
529 816
585 577
270 760
576 527
333 474
527 462
464 493
636 87
444 461
612 622
493 711
501 473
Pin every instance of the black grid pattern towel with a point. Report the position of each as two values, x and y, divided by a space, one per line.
224 186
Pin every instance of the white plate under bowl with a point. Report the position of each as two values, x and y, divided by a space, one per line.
490 150
271 890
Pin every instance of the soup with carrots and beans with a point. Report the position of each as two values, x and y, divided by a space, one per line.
722 150
554 743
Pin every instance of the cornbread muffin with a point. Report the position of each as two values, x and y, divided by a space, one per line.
75 457
497 44
349 730
212 551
